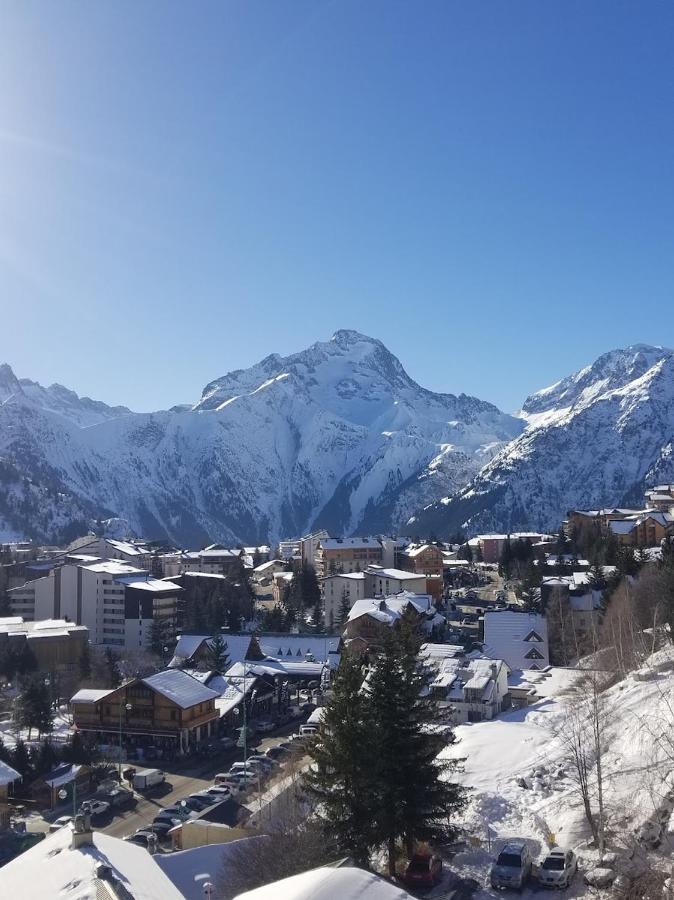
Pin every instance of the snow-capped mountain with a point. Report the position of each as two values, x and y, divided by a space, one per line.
336 436
596 438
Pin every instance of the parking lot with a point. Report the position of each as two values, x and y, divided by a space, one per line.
187 778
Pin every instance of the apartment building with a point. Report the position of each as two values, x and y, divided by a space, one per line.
213 560
338 555
118 603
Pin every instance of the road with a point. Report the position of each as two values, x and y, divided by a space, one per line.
188 780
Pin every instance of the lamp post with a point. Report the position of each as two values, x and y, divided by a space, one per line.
128 707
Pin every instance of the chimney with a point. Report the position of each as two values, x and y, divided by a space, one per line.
82 833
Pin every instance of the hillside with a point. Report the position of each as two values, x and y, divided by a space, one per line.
519 769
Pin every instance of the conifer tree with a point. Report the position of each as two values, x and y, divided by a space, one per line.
21 758
33 707
112 668
412 801
341 781
217 657
344 609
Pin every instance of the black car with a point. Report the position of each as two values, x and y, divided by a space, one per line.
276 752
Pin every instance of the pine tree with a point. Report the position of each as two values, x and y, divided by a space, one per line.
217 658
341 781
344 609
112 668
33 707
44 759
156 644
317 621
412 801
21 759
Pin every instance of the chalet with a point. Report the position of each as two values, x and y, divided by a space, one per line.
470 690
660 497
646 530
192 649
170 711
370 619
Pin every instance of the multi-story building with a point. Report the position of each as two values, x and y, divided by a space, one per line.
57 645
135 553
170 711
472 690
338 555
426 559
660 497
118 603
340 589
213 560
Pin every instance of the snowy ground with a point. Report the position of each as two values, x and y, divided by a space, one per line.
525 744
61 733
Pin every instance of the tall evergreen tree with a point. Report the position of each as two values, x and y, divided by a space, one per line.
412 801
344 609
341 781
217 657
21 759
112 667
33 706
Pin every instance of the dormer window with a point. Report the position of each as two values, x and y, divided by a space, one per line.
533 636
533 654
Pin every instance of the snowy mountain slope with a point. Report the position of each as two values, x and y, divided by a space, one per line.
337 435
594 439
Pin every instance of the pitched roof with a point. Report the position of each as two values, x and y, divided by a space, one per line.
53 868
329 883
7 774
180 688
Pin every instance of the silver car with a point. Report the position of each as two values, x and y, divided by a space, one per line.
513 866
558 868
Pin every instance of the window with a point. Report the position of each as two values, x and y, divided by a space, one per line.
533 654
533 636
174 715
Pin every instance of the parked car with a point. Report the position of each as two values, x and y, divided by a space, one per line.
119 797
512 867
215 794
168 818
227 743
179 811
194 805
202 800
262 760
59 823
142 837
423 870
161 827
264 725
239 780
276 752
98 808
558 868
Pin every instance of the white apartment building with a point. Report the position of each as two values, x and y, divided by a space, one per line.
337 588
118 603
469 690
375 581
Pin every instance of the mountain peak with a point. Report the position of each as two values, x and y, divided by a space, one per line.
347 337
9 383
610 371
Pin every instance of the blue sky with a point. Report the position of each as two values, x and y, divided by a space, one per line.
187 187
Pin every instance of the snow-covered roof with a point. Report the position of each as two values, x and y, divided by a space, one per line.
510 635
53 868
353 576
262 568
329 883
354 543
127 548
90 695
322 647
190 869
113 567
180 688
397 574
62 775
417 551
7 776
154 585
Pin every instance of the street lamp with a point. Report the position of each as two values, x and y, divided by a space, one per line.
128 707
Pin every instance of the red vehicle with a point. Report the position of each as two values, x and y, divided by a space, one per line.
423 870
